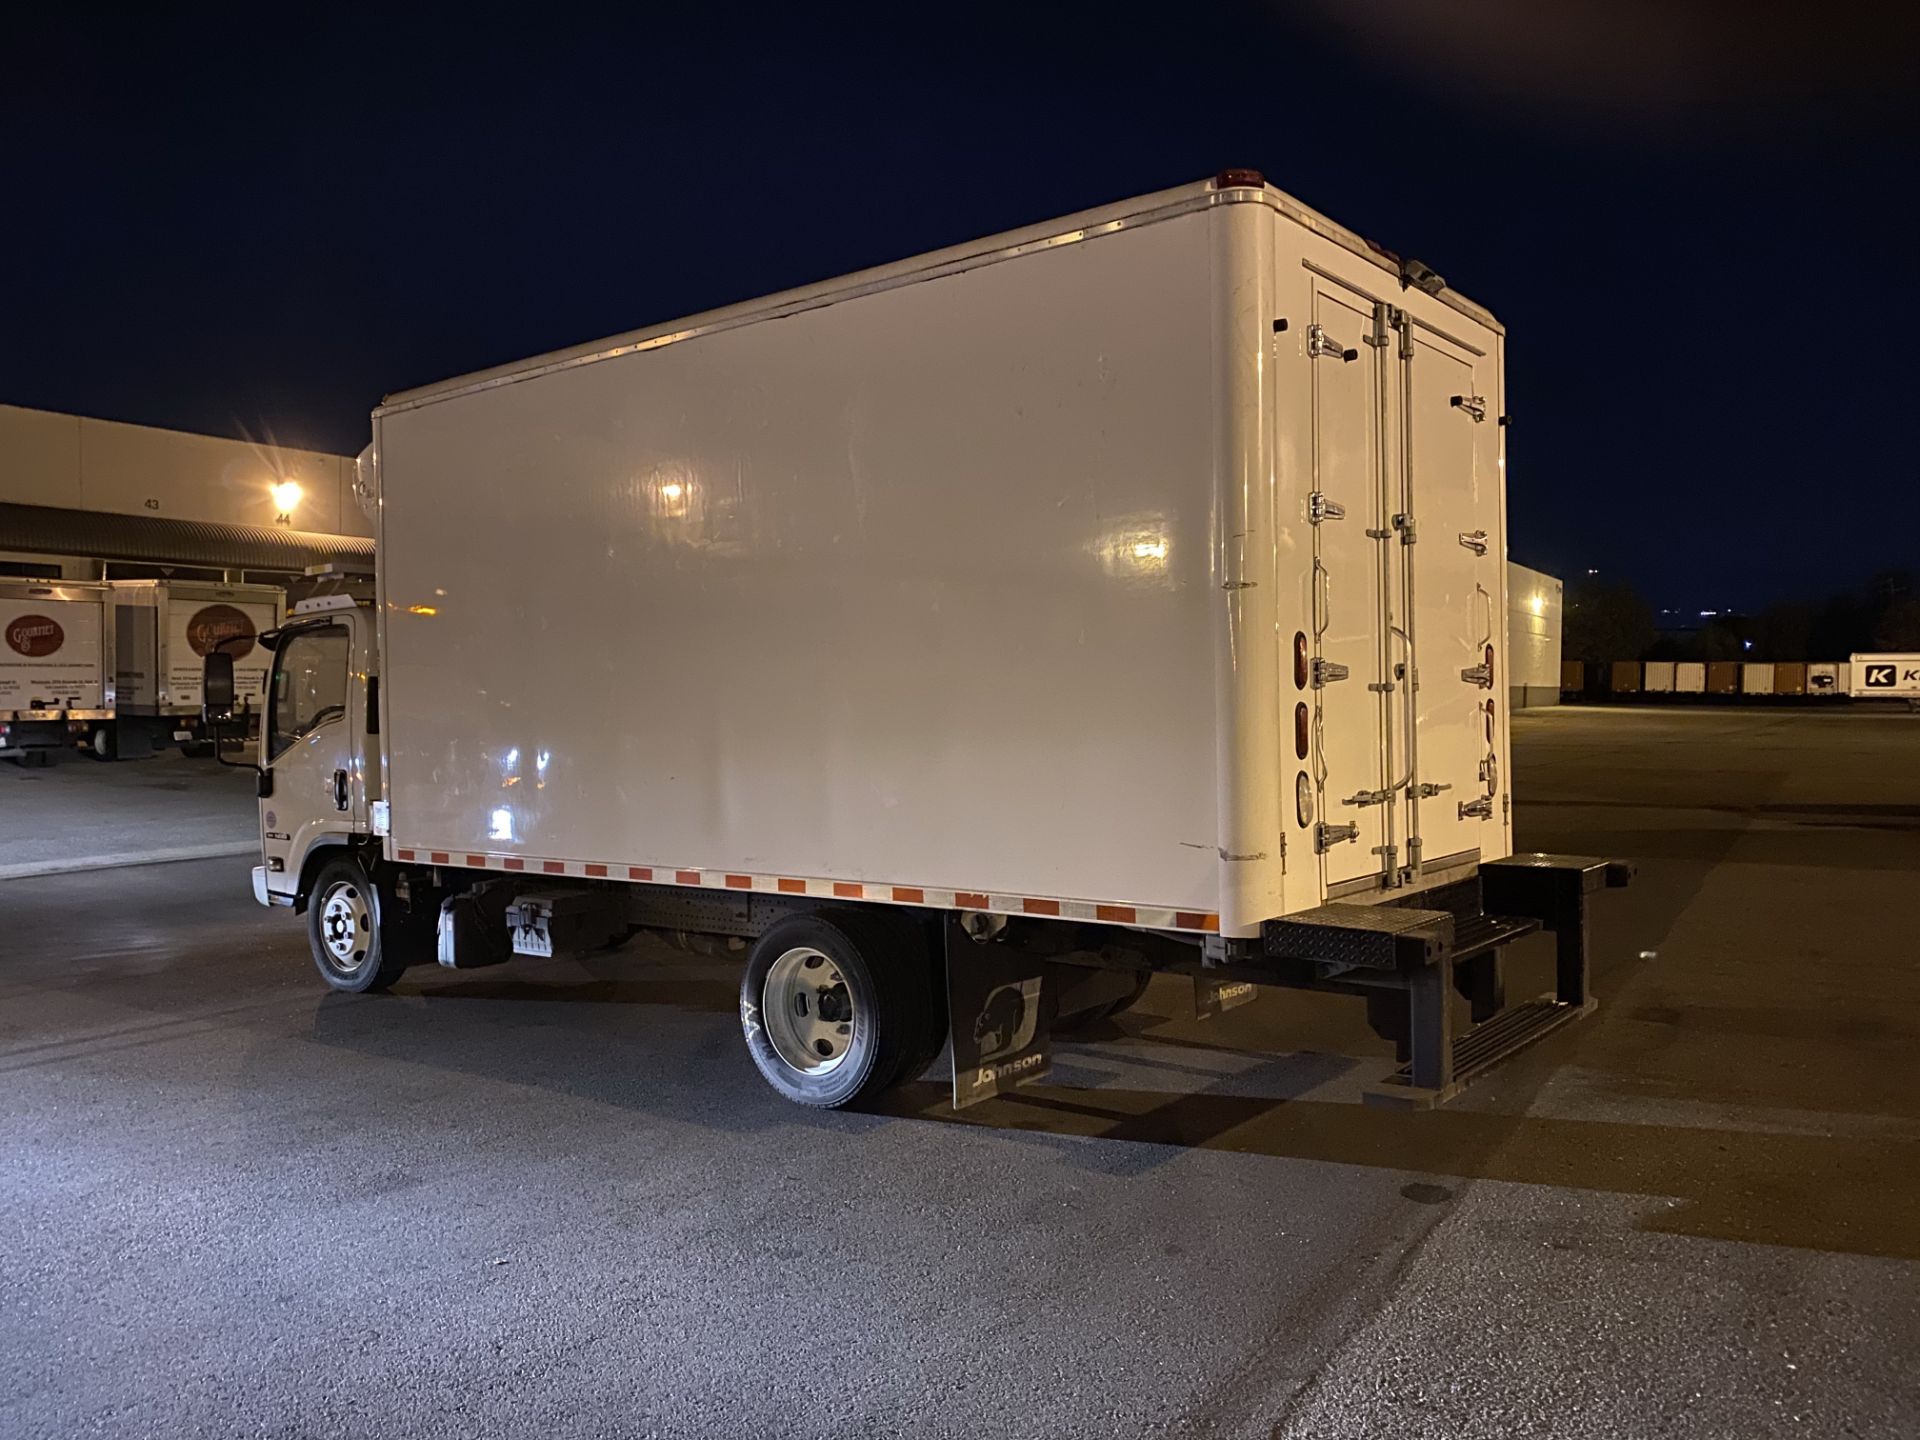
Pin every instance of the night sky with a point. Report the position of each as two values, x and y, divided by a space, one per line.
1692 217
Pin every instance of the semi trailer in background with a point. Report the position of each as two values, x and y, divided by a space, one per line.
964 640
163 630
1884 677
56 665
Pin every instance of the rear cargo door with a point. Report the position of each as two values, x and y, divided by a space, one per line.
50 651
1348 708
1450 468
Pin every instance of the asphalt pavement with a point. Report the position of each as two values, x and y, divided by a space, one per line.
553 1198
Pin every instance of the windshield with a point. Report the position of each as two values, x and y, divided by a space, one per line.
309 684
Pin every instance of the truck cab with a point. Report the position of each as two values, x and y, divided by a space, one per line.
319 776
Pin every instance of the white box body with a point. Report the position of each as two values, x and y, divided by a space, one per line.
1756 678
973 580
1657 677
1690 677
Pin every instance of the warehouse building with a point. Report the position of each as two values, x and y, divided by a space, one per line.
85 499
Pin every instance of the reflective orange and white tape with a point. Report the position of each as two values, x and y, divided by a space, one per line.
1148 917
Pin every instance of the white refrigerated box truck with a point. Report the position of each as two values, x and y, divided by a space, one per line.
970 637
163 631
56 665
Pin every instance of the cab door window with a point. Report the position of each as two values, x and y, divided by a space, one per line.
309 684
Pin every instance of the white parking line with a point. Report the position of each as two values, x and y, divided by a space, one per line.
29 868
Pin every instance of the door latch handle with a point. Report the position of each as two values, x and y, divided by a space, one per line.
1327 672
339 789
1481 809
1481 675
1326 836
1474 540
1320 508
1320 343
1474 405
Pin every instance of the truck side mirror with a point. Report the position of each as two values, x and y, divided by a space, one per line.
216 687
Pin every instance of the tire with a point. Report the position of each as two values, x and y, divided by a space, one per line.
835 1006
355 946
103 745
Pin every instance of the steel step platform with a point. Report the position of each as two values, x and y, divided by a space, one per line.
1476 934
1479 1050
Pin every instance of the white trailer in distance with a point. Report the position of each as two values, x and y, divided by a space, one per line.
968 638
1892 676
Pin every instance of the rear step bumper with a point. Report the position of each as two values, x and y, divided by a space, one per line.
1479 1050
1415 961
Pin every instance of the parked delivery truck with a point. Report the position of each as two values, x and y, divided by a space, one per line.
964 641
163 630
56 665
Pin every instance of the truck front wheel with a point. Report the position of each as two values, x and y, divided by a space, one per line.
354 947
835 1006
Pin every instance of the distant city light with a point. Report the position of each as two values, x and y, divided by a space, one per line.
1593 572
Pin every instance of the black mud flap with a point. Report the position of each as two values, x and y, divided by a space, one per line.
1000 1013
1217 994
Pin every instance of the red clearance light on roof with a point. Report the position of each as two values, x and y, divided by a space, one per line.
1239 180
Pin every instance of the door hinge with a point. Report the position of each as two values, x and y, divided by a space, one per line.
1474 540
1481 675
1474 405
1426 790
1320 508
1320 344
1382 687
1481 809
1368 797
1326 836
1391 876
1326 672
1403 522
1403 322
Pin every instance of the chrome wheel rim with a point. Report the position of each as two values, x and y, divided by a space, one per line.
346 926
809 1013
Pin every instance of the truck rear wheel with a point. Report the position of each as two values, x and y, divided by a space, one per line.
356 947
836 1005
